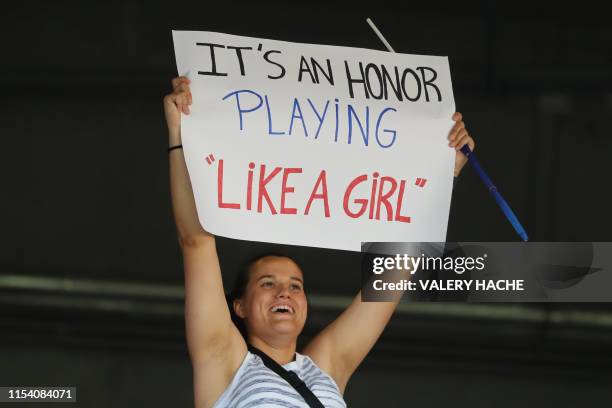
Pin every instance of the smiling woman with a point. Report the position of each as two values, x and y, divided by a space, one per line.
242 369
269 307
259 281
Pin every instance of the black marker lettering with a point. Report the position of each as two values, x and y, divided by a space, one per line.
430 82
239 56
266 57
352 81
213 70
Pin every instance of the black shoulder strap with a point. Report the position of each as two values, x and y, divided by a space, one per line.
289 376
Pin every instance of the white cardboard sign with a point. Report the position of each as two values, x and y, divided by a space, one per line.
316 145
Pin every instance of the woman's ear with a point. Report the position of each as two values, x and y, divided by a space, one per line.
239 308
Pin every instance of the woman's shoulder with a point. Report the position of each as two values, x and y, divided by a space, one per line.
308 365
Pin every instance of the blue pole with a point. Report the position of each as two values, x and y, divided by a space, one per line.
496 195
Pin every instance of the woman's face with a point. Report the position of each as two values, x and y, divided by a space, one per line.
274 302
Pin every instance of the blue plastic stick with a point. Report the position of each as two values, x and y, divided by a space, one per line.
493 190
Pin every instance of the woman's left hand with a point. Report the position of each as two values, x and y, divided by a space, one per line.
457 138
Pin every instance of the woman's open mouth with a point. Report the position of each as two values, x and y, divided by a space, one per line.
282 309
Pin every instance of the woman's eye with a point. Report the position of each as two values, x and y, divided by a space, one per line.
267 284
296 287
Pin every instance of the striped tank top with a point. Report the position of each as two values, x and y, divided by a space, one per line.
255 385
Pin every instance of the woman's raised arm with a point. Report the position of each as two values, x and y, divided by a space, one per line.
183 204
215 345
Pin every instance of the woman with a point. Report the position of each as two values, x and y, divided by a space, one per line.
272 304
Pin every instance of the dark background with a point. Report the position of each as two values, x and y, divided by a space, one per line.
91 275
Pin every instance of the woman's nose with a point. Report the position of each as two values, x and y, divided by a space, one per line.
283 291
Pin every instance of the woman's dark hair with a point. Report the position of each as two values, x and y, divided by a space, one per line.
241 283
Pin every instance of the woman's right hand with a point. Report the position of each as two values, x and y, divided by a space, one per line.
176 103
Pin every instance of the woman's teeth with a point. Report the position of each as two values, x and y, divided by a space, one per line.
282 309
